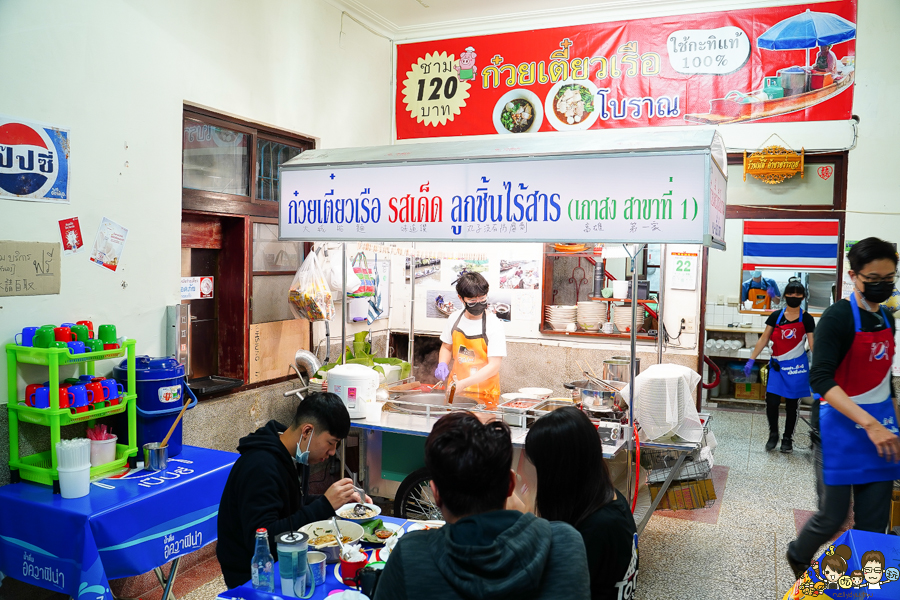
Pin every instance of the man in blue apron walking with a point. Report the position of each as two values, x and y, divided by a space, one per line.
857 420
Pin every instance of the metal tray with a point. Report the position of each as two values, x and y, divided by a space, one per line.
544 408
514 415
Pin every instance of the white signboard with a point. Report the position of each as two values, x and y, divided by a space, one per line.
621 198
683 270
195 288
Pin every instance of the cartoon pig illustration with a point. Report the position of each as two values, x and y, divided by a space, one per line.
466 67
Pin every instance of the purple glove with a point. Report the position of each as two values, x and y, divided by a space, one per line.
442 372
770 292
748 368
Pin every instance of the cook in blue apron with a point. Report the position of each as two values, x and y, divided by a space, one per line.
856 460
848 456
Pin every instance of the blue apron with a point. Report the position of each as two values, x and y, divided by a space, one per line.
789 367
848 456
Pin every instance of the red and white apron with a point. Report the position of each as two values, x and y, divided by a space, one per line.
848 456
789 367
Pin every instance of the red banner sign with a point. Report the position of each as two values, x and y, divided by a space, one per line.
788 63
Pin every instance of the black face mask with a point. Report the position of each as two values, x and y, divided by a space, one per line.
877 292
793 302
477 309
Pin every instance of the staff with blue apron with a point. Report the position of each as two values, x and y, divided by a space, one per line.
789 329
857 458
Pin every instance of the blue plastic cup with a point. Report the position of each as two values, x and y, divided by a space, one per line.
27 335
76 347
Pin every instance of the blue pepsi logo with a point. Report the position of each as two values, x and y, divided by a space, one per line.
29 161
879 351
789 334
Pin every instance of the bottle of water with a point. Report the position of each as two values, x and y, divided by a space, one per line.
262 568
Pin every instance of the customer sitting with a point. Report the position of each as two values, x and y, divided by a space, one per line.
574 486
267 489
484 551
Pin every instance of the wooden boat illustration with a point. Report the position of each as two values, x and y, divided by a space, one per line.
737 107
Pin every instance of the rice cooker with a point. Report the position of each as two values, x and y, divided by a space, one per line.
356 386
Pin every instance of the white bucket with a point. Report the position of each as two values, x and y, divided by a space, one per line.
620 289
103 451
74 483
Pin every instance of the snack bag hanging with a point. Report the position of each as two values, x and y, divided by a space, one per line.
309 296
366 277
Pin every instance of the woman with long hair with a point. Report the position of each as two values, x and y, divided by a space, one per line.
574 486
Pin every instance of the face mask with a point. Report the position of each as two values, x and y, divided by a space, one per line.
877 292
477 309
793 302
303 457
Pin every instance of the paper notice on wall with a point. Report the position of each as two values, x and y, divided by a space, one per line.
70 232
109 244
29 268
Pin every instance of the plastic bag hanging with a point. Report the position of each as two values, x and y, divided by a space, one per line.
309 296
375 309
366 279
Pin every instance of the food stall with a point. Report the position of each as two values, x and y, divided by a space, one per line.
626 187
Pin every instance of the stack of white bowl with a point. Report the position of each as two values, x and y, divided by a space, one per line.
591 315
560 317
622 317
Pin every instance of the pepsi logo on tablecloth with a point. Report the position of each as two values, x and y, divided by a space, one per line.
34 161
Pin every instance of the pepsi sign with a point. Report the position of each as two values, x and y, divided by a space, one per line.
34 161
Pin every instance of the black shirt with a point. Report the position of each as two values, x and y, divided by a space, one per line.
263 490
809 324
833 340
609 539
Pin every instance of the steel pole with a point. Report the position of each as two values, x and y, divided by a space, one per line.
412 309
633 366
661 338
344 303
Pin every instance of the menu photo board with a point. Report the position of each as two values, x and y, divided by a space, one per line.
775 63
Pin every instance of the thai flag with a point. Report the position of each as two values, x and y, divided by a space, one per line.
793 245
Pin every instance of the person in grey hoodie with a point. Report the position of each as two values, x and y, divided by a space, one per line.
483 551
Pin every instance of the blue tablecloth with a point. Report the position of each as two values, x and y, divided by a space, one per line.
76 545
246 591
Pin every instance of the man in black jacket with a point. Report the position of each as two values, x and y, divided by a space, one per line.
267 489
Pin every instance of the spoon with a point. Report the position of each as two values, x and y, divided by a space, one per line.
337 534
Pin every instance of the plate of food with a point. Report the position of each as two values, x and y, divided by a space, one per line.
570 105
378 531
518 111
358 511
424 525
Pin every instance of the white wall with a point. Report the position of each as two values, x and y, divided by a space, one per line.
872 184
526 304
117 74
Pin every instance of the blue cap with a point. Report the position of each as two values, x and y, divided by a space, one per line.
757 274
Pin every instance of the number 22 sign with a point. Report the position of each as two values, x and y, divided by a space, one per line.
683 270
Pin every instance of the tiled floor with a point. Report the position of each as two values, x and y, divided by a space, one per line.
736 553
741 554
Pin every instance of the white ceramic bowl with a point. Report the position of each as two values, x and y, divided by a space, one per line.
332 552
540 393
345 511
